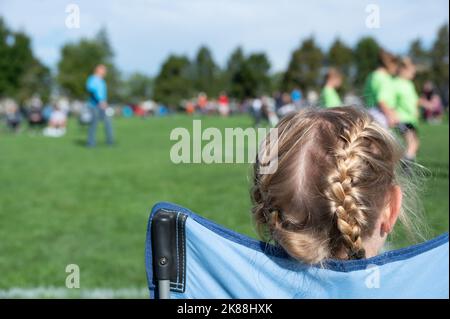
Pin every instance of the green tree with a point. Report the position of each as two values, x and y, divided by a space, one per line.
233 73
340 56
137 88
366 59
5 53
248 76
173 82
257 80
421 58
439 62
79 59
205 72
304 67
276 81
21 74
418 53
36 79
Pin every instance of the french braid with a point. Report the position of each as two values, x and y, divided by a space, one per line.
342 193
335 169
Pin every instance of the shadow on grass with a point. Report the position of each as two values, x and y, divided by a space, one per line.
81 142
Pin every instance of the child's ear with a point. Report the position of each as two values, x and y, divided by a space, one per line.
392 211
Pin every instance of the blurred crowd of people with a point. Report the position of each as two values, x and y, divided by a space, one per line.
270 108
262 108
391 98
204 105
51 118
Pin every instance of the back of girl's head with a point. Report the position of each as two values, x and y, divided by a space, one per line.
335 167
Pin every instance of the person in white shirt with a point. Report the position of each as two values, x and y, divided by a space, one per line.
57 123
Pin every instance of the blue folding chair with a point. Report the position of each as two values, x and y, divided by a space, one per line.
188 256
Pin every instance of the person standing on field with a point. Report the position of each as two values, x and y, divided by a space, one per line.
407 107
379 92
97 89
329 97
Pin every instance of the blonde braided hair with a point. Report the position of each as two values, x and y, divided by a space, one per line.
335 167
342 195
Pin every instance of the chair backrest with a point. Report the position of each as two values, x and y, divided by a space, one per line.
209 261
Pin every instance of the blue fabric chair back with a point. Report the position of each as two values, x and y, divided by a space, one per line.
220 263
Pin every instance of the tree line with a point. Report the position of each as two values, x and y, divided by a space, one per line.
21 73
244 75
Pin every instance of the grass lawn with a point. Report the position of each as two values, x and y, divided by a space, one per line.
61 203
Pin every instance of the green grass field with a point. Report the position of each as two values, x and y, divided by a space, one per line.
61 203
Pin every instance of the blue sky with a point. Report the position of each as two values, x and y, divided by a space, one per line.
144 32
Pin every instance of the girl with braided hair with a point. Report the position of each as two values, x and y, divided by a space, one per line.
338 189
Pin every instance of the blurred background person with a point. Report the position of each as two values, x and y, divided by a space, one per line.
202 101
379 90
407 107
329 96
256 110
269 110
34 114
431 103
312 98
56 123
97 89
85 116
278 97
224 105
296 97
189 107
286 105
13 116
47 112
352 98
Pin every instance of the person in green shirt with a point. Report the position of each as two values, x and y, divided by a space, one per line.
407 107
379 90
329 96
